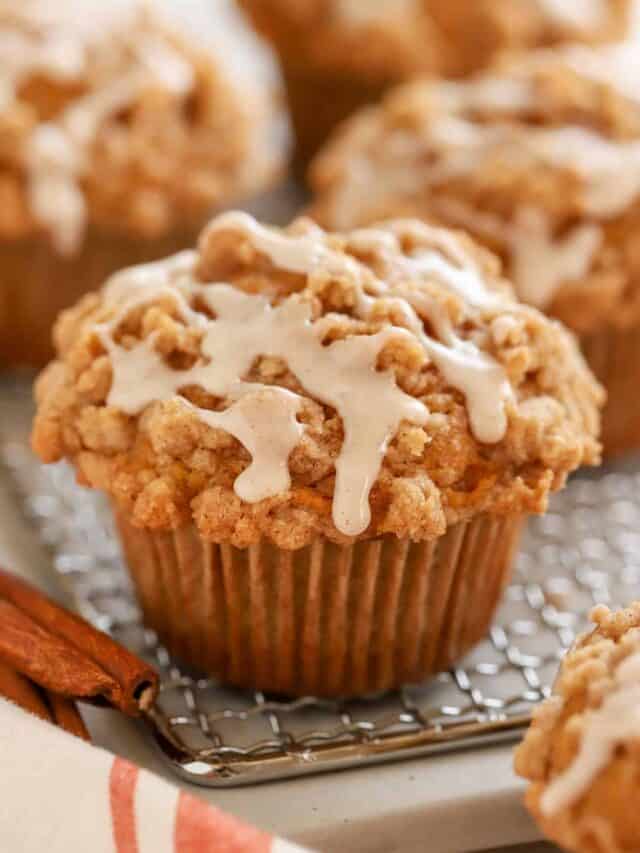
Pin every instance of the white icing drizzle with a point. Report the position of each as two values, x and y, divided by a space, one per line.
463 145
434 263
616 65
454 145
614 723
497 94
138 285
478 376
263 418
56 40
359 13
578 14
539 262
342 375
581 14
599 162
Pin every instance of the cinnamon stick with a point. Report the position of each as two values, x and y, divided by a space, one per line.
49 707
19 690
66 715
66 655
48 660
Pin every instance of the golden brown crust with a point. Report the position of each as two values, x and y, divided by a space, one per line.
606 819
165 160
166 467
397 41
614 357
394 143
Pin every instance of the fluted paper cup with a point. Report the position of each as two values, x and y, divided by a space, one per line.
326 620
614 356
318 102
36 283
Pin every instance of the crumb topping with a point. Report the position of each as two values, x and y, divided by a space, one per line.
115 118
295 383
539 159
390 40
582 749
576 14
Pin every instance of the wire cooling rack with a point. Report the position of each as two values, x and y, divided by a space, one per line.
586 550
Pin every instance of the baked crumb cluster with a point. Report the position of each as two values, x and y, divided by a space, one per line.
387 41
114 118
539 159
582 752
373 319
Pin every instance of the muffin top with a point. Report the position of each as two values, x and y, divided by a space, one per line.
389 40
294 383
539 159
582 752
114 118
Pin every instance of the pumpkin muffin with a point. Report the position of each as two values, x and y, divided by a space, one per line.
582 752
340 54
539 160
319 447
118 135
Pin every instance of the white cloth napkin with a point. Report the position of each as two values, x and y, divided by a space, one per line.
60 795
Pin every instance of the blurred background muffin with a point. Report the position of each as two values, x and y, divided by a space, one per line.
118 134
320 462
340 54
581 755
539 159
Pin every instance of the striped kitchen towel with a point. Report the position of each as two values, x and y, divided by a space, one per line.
60 795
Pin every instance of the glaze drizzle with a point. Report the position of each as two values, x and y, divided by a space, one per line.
614 723
455 145
240 327
59 41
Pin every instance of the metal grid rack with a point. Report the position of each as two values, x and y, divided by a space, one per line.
586 550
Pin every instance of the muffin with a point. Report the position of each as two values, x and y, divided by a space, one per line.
118 134
340 54
540 161
582 752
319 447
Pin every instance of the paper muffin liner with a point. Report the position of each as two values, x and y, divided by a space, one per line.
327 620
614 356
319 102
36 283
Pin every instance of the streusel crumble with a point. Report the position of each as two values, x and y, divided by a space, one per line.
540 160
490 404
581 753
118 133
340 54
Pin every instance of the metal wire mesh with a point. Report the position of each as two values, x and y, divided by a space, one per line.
586 550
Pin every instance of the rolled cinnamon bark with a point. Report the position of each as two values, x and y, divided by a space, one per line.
50 661
19 690
64 654
66 715
48 706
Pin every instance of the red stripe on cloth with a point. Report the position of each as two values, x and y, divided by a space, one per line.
202 829
122 793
